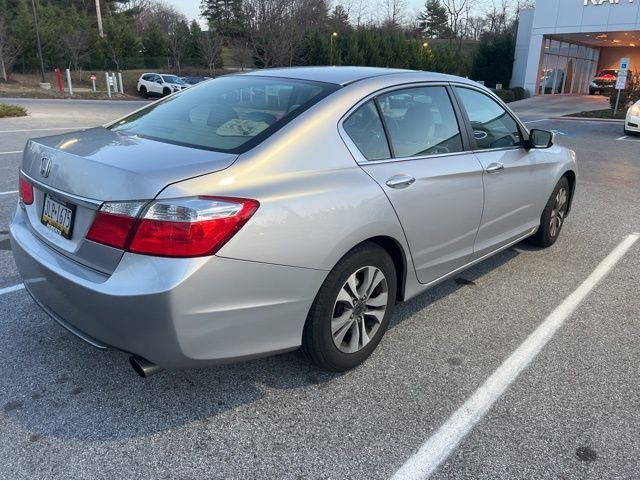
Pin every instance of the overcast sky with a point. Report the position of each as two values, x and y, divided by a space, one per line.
191 8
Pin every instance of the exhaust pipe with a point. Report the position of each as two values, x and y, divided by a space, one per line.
144 367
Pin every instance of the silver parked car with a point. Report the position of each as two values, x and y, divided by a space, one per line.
257 213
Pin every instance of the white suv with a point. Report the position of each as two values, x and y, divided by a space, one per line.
159 84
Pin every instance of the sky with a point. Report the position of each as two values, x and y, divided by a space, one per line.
191 8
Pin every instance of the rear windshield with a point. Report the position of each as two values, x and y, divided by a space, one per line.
229 114
607 73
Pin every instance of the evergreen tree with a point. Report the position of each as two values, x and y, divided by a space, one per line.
434 21
494 61
154 46
193 49
119 41
339 20
223 16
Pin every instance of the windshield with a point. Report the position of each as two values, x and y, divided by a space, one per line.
229 114
172 79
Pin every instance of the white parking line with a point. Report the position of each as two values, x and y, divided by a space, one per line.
44 129
9 153
444 441
13 288
9 192
622 138
540 120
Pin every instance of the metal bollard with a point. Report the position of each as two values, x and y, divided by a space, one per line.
106 77
69 82
120 83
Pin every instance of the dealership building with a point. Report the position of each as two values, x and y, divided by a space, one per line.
562 44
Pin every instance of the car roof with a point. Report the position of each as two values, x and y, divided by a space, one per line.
341 75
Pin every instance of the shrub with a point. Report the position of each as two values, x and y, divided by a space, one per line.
629 95
519 93
9 110
507 96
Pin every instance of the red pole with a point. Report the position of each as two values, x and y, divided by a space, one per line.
59 75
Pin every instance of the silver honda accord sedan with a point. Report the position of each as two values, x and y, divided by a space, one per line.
258 213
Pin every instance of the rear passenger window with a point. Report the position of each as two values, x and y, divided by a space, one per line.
421 121
492 125
365 128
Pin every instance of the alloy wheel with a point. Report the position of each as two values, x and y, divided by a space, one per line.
558 212
359 309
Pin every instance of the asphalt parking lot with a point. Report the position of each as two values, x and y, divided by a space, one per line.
70 411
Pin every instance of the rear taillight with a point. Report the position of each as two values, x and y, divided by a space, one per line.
26 191
114 223
189 227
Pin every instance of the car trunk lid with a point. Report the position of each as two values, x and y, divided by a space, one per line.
80 171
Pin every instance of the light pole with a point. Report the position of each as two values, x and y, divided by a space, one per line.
35 24
334 34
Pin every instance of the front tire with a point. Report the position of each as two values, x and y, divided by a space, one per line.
351 310
553 216
143 92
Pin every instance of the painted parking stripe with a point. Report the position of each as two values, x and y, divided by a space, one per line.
43 129
10 153
622 138
13 288
534 121
10 192
445 440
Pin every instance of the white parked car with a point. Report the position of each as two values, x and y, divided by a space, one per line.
159 84
632 122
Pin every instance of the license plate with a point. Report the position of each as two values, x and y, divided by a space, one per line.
58 216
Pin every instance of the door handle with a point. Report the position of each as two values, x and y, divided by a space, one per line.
494 168
400 181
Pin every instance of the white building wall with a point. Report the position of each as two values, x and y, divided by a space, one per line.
568 16
523 40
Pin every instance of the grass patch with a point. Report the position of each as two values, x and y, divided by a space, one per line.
607 113
9 110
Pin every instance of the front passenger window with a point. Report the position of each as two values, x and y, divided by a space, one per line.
492 125
420 121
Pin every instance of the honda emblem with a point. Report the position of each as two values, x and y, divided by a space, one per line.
45 166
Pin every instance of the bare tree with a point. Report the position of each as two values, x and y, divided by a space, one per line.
210 46
276 27
74 44
177 42
10 49
456 10
393 12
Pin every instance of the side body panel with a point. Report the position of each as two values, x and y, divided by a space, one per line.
513 197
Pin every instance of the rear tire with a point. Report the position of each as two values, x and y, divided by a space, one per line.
553 216
352 309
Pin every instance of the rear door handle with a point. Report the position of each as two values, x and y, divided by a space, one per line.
494 168
400 181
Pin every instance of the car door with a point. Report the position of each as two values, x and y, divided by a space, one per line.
155 85
409 141
514 177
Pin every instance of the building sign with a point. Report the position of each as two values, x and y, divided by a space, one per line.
605 2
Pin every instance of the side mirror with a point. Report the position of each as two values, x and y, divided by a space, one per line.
159 81
540 138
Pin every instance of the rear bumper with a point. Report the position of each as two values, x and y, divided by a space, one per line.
174 312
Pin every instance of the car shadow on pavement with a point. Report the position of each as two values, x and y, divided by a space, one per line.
58 386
